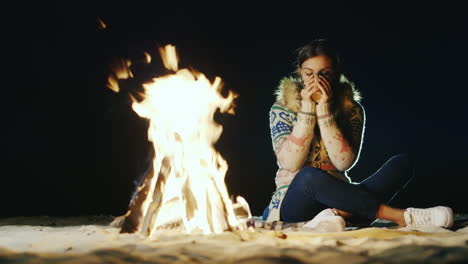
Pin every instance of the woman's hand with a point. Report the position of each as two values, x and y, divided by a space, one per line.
317 89
309 89
325 89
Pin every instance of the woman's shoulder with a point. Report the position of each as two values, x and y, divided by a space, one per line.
287 93
352 97
351 93
279 110
279 107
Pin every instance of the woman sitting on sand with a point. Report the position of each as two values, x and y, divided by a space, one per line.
317 126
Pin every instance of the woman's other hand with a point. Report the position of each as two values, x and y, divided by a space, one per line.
325 89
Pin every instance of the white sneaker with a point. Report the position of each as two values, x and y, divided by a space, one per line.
325 221
435 216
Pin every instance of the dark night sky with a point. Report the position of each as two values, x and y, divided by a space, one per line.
70 146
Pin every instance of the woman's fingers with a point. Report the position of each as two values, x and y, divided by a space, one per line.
317 80
317 84
325 94
309 83
308 79
325 83
326 86
306 95
322 87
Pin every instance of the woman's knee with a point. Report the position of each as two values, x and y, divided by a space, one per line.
308 172
402 162
403 158
310 175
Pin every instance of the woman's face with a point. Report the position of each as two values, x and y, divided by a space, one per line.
320 64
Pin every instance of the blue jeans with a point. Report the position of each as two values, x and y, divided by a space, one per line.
313 190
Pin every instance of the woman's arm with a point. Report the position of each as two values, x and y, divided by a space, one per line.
342 152
291 143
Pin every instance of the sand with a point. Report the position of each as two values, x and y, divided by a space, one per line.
91 239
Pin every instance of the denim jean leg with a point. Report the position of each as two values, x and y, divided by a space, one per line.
313 190
299 203
391 178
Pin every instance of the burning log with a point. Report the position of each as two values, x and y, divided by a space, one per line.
134 214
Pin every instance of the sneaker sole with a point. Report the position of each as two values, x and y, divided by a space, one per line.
328 224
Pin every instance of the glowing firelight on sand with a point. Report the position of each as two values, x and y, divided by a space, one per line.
186 190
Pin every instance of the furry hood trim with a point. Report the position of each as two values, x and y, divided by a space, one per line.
288 92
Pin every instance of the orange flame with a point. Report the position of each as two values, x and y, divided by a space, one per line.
147 57
169 57
121 71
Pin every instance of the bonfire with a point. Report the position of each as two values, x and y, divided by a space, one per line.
185 191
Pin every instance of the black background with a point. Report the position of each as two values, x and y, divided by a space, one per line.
70 146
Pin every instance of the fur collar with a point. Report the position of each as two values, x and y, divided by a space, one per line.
288 93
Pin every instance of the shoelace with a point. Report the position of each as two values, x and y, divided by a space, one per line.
420 217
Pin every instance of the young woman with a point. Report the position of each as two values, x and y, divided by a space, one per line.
317 128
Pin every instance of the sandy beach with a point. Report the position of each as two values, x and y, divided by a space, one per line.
92 239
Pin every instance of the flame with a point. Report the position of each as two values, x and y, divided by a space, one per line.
147 57
169 57
187 191
120 70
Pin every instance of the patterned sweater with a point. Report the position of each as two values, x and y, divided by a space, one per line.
298 138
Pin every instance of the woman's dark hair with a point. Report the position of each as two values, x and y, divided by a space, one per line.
319 47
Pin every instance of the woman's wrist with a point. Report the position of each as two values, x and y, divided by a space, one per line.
324 115
323 110
308 107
